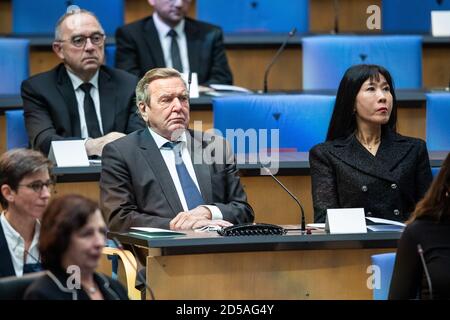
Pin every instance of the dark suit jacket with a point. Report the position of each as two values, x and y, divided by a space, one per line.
50 288
51 110
6 265
136 188
345 175
139 50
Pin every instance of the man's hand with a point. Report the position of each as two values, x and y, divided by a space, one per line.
94 147
195 218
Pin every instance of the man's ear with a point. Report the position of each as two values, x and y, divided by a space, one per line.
57 49
143 111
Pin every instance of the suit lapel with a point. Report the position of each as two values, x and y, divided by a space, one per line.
194 45
156 162
202 172
391 151
6 266
153 43
108 100
65 87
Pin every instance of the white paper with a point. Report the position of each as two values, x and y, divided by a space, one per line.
440 23
69 153
316 225
347 220
155 230
386 221
227 87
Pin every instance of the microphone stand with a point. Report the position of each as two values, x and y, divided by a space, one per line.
336 17
274 59
425 269
303 223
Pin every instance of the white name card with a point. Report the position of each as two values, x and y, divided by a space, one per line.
440 23
193 87
348 220
69 153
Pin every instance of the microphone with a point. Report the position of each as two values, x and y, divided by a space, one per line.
336 17
138 274
303 224
274 59
427 275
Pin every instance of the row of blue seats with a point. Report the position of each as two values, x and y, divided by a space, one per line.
302 120
398 16
325 59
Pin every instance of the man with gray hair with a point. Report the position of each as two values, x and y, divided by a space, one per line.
79 98
167 176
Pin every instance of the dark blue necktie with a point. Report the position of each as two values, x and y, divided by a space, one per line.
190 190
175 51
89 112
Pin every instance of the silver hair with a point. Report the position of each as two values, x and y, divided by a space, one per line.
72 10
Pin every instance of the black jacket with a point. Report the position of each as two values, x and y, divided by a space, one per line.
139 50
6 265
136 188
345 175
51 109
53 286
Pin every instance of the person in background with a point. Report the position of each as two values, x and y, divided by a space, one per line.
167 176
73 234
80 98
25 189
170 39
429 227
364 163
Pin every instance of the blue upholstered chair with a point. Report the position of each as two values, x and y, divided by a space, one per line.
16 134
411 17
437 121
110 53
326 58
40 17
14 65
255 15
385 262
302 119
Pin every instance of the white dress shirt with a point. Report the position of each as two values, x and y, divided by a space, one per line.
16 245
169 159
77 82
166 41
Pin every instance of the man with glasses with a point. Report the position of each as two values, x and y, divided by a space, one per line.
80 98
25 188
170 39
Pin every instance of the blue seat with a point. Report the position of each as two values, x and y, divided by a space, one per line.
385 262
437 121
110 53
14 65
435 171
411 17
255 15
302 120
326 58
16 134
40 17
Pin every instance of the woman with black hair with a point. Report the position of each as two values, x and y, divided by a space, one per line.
364 162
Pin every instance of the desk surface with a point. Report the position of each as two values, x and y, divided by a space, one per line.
405 98
210 242
290 163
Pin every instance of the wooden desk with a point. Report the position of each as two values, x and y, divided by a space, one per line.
208 266
269 201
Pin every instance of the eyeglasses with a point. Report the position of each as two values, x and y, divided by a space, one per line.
37 186
79 41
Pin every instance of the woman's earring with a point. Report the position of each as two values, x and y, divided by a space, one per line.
446 194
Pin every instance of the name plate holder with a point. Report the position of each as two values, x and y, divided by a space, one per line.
440 23
68 153
348 220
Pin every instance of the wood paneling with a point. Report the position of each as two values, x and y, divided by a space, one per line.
307 274
42 60
5 16
436 67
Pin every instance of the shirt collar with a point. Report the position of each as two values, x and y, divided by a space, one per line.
160 140
10 232
163 28
76 81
